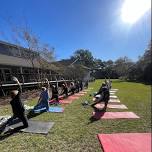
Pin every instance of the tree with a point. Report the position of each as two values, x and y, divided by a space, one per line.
36 52
98 64
122 65
85 57
144 65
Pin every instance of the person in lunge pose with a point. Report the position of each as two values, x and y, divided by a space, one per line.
81 85
55 93
102 96
77 86
17 106
72 88
65 89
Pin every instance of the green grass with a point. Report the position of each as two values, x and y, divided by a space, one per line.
72 131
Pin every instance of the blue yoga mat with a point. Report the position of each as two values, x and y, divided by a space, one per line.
56 109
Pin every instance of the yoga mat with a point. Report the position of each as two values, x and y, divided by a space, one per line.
83 92
61 97
38 127
86 90
119 106
80 94
126 142
112 94
73 97
56 109
113 97
113 89
115 115
66 101
114 101
111 106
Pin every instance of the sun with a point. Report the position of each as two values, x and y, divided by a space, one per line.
133 10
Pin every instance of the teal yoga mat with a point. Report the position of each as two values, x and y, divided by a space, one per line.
56 109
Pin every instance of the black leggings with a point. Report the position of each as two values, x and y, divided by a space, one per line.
55 96
65 91
22 117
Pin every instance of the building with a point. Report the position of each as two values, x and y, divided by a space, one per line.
25 64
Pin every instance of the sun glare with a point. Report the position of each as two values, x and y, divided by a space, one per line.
132 10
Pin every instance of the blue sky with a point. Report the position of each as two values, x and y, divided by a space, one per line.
69 25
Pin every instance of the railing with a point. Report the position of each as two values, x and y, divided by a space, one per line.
5 88
34 83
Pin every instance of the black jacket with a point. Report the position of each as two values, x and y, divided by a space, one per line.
17 105
104 91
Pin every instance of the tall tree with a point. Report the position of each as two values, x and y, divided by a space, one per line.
122 65
85 57
144 65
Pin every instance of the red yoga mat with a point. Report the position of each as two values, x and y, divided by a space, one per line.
73 97
80 94
111 106
125 142
66 101
114 115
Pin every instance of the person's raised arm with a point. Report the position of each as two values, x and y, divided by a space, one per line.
47 83
19 85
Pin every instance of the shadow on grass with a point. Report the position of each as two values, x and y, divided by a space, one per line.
92 120
10 132
133 81
97 116
4 135
145 83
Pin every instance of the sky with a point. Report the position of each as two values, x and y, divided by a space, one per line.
68 25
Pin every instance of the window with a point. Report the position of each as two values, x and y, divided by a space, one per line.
7 74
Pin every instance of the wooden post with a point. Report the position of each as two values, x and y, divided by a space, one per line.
21 71
2 89
38 71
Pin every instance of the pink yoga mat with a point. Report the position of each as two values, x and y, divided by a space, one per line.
114 115
73 97
66 101
80 94
111 106
83 92
125 142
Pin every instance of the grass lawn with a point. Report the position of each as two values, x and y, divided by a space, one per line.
72 131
